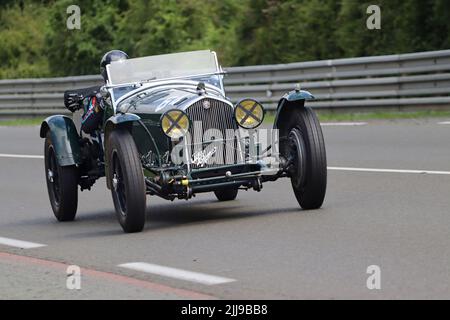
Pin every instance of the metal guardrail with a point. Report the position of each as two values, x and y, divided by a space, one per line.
399 81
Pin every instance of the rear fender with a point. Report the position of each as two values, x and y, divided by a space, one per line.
65 139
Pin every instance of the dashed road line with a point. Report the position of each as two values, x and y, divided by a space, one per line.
389 170
20 156
444 122
20 243
180 274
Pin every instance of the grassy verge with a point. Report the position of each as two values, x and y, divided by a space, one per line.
21 122
327 116
324 116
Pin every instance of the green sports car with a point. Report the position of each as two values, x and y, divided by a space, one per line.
169 130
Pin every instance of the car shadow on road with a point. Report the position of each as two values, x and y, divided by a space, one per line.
159 216
177 215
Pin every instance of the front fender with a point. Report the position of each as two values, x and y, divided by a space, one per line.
291 100
120 118
64 137
297 95
123 117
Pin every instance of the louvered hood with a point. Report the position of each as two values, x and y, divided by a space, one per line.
164 100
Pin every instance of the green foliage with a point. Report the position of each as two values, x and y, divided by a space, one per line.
75 52
163 26
287 31
22 41
35 41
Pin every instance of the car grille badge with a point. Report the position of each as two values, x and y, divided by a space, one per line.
201 158
206 104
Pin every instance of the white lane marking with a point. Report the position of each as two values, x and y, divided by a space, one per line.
389 170
3 155
444 122
20 156
343 124
176 273
20 244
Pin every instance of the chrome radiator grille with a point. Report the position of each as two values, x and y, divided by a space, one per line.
219 116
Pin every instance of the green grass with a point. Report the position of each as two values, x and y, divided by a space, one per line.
327 116
21 122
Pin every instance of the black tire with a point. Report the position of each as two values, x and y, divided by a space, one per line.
306 148
226 194
126 179
62 184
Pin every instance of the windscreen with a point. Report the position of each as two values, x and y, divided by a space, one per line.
175 65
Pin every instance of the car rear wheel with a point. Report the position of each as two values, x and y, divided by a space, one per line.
126 180
305 150
226 194
62 184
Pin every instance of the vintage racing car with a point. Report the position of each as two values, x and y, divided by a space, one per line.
169 130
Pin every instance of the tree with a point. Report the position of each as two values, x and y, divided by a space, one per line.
414 25
22 41
76 52
163 26
35 41
439 21
289 31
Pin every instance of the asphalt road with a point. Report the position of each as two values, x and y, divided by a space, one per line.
263 245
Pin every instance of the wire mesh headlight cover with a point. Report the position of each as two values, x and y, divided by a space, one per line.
175 124
249 113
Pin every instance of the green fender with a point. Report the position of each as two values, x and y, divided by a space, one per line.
293 99
65 139
121 118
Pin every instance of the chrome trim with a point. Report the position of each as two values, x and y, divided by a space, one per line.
143 82
219 116
166 85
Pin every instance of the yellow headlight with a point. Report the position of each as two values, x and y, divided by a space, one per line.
175 124
249 113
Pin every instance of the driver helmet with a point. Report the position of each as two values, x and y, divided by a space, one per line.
110 56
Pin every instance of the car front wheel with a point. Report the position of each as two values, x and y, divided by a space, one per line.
126 180
305 150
